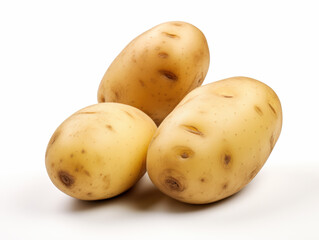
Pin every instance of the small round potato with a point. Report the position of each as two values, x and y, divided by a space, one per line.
99 151
215 141
157 69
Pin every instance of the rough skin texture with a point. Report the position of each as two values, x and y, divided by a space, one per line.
215 141
157 69
99 151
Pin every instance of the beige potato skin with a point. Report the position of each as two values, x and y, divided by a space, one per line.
215 141
157 69
99 151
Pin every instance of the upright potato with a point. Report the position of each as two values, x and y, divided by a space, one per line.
157 69
215 141
99 151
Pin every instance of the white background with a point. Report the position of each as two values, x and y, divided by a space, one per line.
53 55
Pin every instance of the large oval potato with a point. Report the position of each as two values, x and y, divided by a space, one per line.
157 69
99 151
215 141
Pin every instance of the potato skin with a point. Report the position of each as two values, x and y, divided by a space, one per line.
215 141
99 151
157 69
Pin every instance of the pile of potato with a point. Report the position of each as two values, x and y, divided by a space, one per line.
210 142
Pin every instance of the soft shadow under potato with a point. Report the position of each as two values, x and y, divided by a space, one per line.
145 197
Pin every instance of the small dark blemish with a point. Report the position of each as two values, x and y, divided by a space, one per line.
54 137
227 96
173 184
184 155
226 159
87 173
177 24
199 79
66 178
61 160
52 165
169 75
87 112
130 115
141 82
89 194
272 108
163 55
109 127
102 99
170 35
83 151
71 155
192 129
258 110
202 179
117 96
225 186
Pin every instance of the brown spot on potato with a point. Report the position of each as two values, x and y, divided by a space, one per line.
163 55
203 180
172 180
199 79
226 159
177 24
117 95
184 152
141 82
258 110
87 112
134 58
225 186
89 194
173 184
83 151
272 108
130 115
52 165
106 180
87 173
169 75
71 155
184 155
66 178
109 127
192 130
102 99
227 95
54 137
170 35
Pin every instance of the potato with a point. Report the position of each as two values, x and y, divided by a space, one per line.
157 69
99 151
215 141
